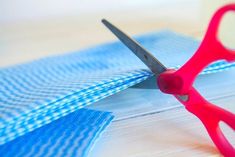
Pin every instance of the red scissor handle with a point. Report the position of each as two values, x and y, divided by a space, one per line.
210 50
211 116
179 83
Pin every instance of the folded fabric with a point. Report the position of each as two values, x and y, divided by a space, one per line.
71 135
37 93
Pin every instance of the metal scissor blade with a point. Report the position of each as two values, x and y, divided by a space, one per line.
149 60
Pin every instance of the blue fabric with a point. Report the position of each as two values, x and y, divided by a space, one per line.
37 93
72 135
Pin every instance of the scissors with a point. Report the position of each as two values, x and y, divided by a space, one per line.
180 82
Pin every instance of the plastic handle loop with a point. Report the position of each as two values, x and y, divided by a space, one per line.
211 116
179 83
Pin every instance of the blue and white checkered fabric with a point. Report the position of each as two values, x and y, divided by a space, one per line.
37 93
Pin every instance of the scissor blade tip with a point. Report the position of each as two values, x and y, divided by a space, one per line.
104 21
107 24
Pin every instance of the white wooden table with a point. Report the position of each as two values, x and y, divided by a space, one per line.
173 132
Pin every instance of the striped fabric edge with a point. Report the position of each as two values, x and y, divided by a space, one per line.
39 118
89 130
